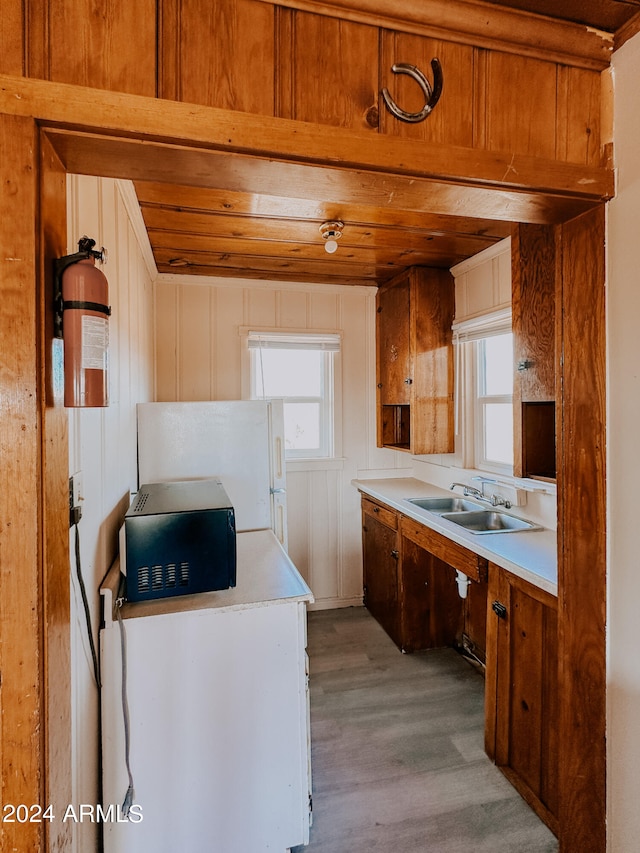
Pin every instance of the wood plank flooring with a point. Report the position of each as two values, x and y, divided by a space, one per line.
397 750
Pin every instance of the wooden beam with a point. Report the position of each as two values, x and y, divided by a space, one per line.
582 526
146 139
21 552
477 23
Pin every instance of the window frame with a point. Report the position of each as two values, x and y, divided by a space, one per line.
481 400
329 416
469 402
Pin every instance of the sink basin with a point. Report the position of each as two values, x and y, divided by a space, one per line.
489 521
442 505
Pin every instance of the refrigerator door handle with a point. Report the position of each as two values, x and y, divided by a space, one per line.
277 491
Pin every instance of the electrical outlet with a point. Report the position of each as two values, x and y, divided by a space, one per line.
75 490
75 497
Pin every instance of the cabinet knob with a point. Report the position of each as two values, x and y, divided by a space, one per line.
499 609
395 554
408 381
379 384
376 509
525 365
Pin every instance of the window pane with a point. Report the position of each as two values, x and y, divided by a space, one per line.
498 365
302 426
498 432
288 373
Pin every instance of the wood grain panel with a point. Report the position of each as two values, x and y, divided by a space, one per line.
89 44
518 124
220 54
12 49
582 535
335 72
579 138
55 486
445 549
433 309
533 256
22 717
451 122
466 22
383 514
393 347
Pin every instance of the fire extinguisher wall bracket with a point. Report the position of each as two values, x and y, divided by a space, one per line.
82 320
85 250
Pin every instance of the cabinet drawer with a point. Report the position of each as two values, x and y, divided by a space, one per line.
449 552
383 514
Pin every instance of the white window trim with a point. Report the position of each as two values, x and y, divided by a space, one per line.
327 339
468 406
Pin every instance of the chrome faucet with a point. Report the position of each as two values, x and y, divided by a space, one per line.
472 492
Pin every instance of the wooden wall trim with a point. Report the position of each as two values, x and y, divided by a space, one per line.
627 31
21 551
55 503
475 23
582 528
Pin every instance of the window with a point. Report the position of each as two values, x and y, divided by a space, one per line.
493 420
299 369
485 392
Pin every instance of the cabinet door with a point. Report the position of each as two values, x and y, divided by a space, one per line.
432 311
430 609
330 71
108 45
521 689
394 356
380 563
219 54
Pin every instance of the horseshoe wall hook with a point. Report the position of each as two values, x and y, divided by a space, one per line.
431 94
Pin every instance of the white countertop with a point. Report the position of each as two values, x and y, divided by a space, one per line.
265 576
531 555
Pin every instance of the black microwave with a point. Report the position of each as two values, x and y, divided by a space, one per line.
179 538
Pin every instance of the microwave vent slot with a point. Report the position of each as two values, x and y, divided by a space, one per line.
170 576
141 501
184 574
144 581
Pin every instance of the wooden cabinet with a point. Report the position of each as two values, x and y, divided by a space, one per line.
219 54
415 362
533 276
381 554
521 702
328 71
410 582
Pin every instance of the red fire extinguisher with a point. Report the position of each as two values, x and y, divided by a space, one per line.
82 320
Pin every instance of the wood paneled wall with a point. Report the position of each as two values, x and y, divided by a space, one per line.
102 445
257 57
199 357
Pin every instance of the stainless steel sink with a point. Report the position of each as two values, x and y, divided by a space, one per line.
489 521
441 505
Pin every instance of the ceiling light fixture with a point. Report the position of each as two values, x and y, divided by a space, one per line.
331 231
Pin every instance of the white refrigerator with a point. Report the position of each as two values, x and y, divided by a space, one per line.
239 441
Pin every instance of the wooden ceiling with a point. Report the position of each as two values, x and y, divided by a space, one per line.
227 233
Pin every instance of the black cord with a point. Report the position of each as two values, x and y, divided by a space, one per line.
87 612
130 794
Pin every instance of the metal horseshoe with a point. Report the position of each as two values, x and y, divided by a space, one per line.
431 95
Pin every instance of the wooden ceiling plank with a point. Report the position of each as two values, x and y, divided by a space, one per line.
250 204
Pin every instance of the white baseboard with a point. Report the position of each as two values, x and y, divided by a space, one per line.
335 603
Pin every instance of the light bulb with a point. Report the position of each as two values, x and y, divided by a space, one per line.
330 246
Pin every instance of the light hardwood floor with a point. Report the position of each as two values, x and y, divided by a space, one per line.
397 750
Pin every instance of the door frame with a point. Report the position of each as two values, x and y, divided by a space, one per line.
68 128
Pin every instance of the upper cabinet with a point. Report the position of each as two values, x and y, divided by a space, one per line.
533 277
415 362
327 70
285 61
220 54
